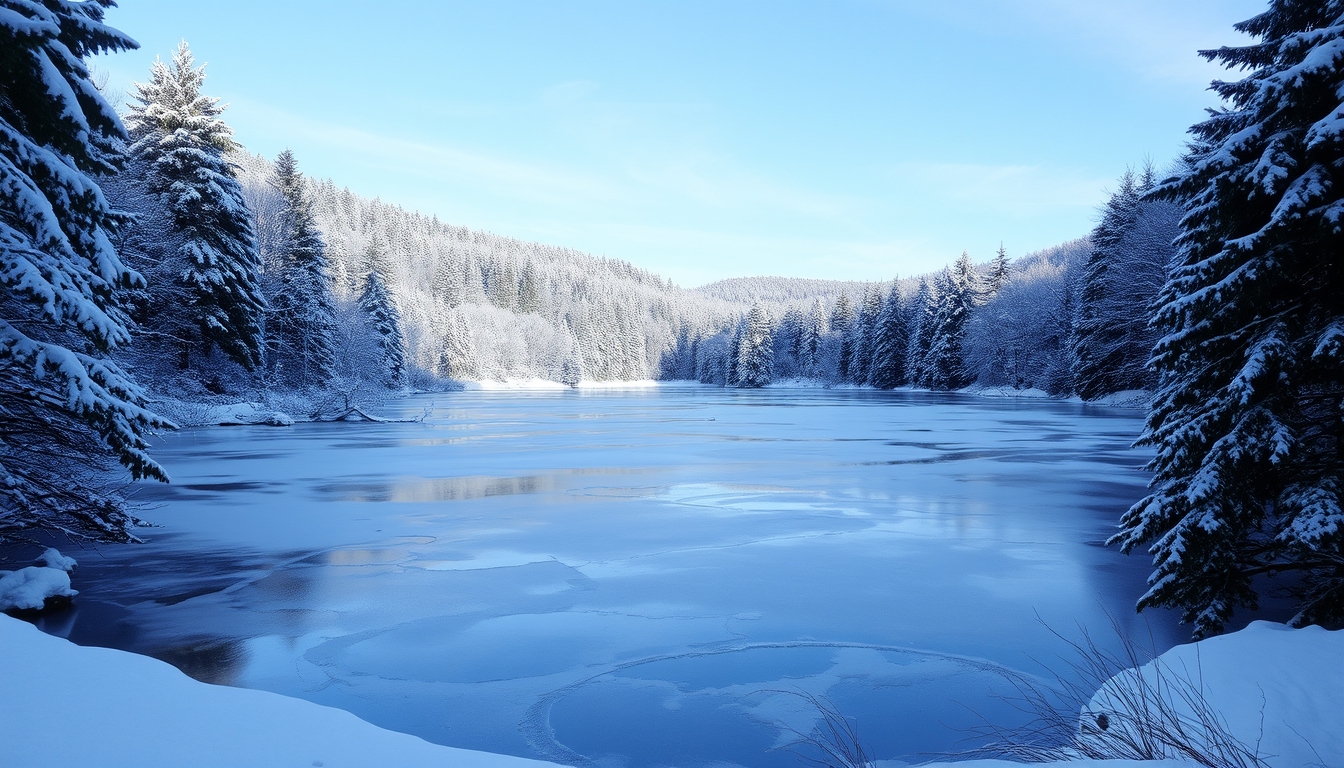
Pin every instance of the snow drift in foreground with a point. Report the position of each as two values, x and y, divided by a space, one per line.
66 705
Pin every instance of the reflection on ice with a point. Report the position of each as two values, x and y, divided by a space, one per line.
635 578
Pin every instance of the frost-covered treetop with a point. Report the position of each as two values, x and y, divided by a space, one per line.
172 100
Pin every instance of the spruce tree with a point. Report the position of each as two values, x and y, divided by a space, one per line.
179 136
810 345
891 341
862 331
842 317
1096 365
755 350
998 271
1246 420
385 322
923 325
67 412
958 293
303 327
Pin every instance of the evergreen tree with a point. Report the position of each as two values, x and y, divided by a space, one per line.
67 412
891 341
809 348
385 322
1246 419
958 293
998 271
842 317
923 325
179 136
1096 364
755 351
303 328
863 331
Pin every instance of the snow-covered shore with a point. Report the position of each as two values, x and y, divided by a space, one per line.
65 705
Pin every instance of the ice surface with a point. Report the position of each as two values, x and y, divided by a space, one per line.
610 575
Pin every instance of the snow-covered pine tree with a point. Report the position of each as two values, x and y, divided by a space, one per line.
809 349
842 317
923 324
1246 420
67 412
998 272
385 322
755 350
863 332
179 136
891 339
958 293
302 331
1096 367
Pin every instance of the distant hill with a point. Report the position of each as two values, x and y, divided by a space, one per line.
783 290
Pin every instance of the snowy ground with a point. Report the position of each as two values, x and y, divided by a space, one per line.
65 705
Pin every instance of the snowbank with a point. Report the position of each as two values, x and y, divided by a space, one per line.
65 705
239 414
1271 685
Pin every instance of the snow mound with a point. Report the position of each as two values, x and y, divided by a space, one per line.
1273 686
52 558
1031 393
65 705
240 414
34 588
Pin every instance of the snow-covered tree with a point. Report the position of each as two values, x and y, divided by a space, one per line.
385 323
182 142
66 410
958 293
1247 418
998 271
923 325
1131 251
862 333
891 342
809 346
755 351
842 318
301 331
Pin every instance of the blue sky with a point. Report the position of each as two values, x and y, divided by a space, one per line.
855 139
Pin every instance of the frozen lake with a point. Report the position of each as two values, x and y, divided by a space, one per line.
636 577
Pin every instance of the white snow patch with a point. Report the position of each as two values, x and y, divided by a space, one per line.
239 414
29 589
67 705
1276 687
52 558
1030 393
